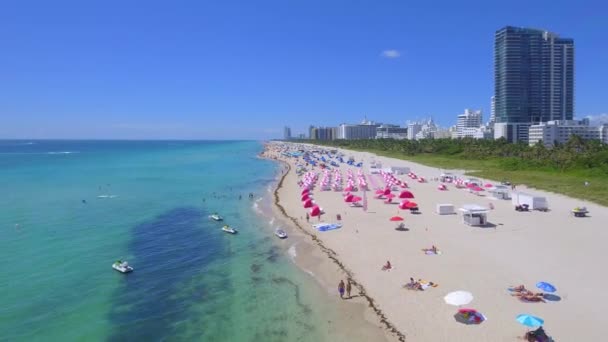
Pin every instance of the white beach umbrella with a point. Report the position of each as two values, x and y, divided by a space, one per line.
458 298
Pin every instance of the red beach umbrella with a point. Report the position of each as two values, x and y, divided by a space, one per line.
406 194
305 191
308 203
349 198
305 197
410 205
476 188
396 218
356 199
315 211
387 191
379 192
389 195
488 185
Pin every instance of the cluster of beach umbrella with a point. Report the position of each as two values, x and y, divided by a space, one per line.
337 185
325 180
309 179
350 181
390 180
416 177
308 202
361 180
472 316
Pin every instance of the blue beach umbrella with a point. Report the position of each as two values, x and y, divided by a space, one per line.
530 321
546 287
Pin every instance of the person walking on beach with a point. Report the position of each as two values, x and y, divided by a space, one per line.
341 288
307 217
348 288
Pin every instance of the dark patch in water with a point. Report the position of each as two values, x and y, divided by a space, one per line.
273 254
168 251
282 281
255 268
257 280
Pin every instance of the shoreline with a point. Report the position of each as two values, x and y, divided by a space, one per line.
480 260
372 306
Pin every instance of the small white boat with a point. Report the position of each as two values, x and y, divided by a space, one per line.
229 229
280 233
122 266
216 217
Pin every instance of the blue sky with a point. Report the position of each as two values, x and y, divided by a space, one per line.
244 69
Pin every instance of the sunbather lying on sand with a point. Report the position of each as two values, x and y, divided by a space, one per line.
532 298
528 293
519 288
433 249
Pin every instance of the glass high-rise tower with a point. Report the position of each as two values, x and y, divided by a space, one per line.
533 76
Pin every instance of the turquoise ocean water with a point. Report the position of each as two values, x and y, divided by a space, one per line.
69 209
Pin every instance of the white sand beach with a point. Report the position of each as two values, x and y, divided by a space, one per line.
515 248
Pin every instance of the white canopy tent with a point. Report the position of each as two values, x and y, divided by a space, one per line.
474 215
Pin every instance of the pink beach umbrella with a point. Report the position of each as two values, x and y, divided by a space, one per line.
356 199
403 204
442 187
305 191
406 194
349 198
308 203
476 188
315 211
389 195
379 192
387 191
488 185
305 197
410 205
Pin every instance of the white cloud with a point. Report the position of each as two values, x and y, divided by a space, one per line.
390 54
598 118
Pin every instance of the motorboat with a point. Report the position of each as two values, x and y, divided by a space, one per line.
216 217
229 229
280 233
122 266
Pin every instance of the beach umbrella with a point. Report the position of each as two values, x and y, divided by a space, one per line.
315 211
441 187
305 197
308 203
356 199
305 191
410 205
488 185
458 298
349 198
379 192
396 218
406 194
389 195
387 191
476 188
546 287
469 316
529 320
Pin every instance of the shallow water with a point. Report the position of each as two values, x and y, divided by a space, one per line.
66 217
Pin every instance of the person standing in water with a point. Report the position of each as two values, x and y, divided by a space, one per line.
341 288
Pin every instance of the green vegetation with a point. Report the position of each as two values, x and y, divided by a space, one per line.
562 169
